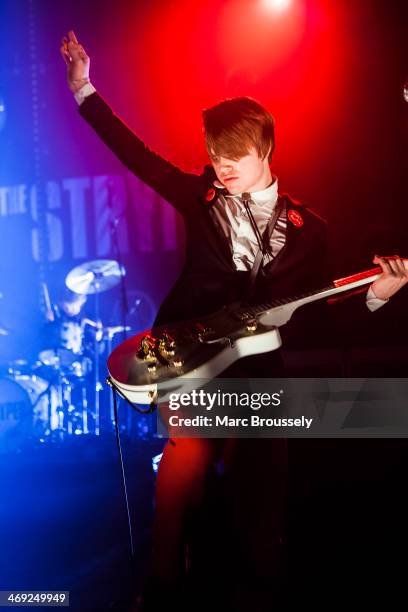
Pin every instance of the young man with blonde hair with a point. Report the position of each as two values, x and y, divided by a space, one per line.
228 212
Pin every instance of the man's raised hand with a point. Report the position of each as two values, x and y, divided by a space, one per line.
77 61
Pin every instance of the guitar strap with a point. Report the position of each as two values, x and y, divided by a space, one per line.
266 237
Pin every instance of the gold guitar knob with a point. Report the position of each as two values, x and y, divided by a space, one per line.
168 340
147 344
164 348
147 350
252 326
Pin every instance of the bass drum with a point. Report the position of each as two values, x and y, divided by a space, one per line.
28 409
16 415
45 400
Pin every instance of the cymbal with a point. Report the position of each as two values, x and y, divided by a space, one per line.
94 276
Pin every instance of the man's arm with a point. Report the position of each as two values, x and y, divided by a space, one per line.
165 178
394 276
349 311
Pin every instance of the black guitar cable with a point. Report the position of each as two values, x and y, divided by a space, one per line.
151 409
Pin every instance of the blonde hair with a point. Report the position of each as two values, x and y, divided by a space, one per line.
235 125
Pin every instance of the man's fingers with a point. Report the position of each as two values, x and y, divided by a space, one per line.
401 266
72 37
74 51
392 266
396 265
82 53
380 260
384 264
65 55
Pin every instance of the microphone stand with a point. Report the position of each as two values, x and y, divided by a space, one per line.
123 299
118 257
97 383
117 254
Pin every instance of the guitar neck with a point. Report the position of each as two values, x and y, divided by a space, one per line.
337 286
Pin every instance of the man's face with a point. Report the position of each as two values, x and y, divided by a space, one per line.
247 174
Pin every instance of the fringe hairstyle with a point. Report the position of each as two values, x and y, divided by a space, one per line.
235 125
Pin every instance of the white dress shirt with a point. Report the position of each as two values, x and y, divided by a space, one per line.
231 216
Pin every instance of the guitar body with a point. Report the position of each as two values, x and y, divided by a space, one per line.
169 356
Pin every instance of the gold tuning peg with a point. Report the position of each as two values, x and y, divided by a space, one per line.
147 347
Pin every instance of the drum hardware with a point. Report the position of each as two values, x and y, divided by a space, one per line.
92 278
69 373
16 422
64 360
49 399
18 367
72 409
110 331
28 409
109 334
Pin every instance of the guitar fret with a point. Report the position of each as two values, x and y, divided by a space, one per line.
250 313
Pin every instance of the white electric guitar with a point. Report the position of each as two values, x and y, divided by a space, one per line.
171 357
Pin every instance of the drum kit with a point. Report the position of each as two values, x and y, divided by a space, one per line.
58 395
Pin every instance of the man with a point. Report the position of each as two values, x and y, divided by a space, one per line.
232 213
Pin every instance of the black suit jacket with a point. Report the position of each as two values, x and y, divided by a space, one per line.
209 278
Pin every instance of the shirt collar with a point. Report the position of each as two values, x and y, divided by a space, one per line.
259 197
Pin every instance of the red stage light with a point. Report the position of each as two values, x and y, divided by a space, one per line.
277 6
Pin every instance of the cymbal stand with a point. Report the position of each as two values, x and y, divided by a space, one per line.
97 383
110 335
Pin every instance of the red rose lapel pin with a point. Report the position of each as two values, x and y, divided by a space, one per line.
210 195
295 217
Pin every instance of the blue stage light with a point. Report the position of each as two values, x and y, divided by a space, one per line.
3 114
156 461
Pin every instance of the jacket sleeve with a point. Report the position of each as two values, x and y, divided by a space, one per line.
344 320
165 178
